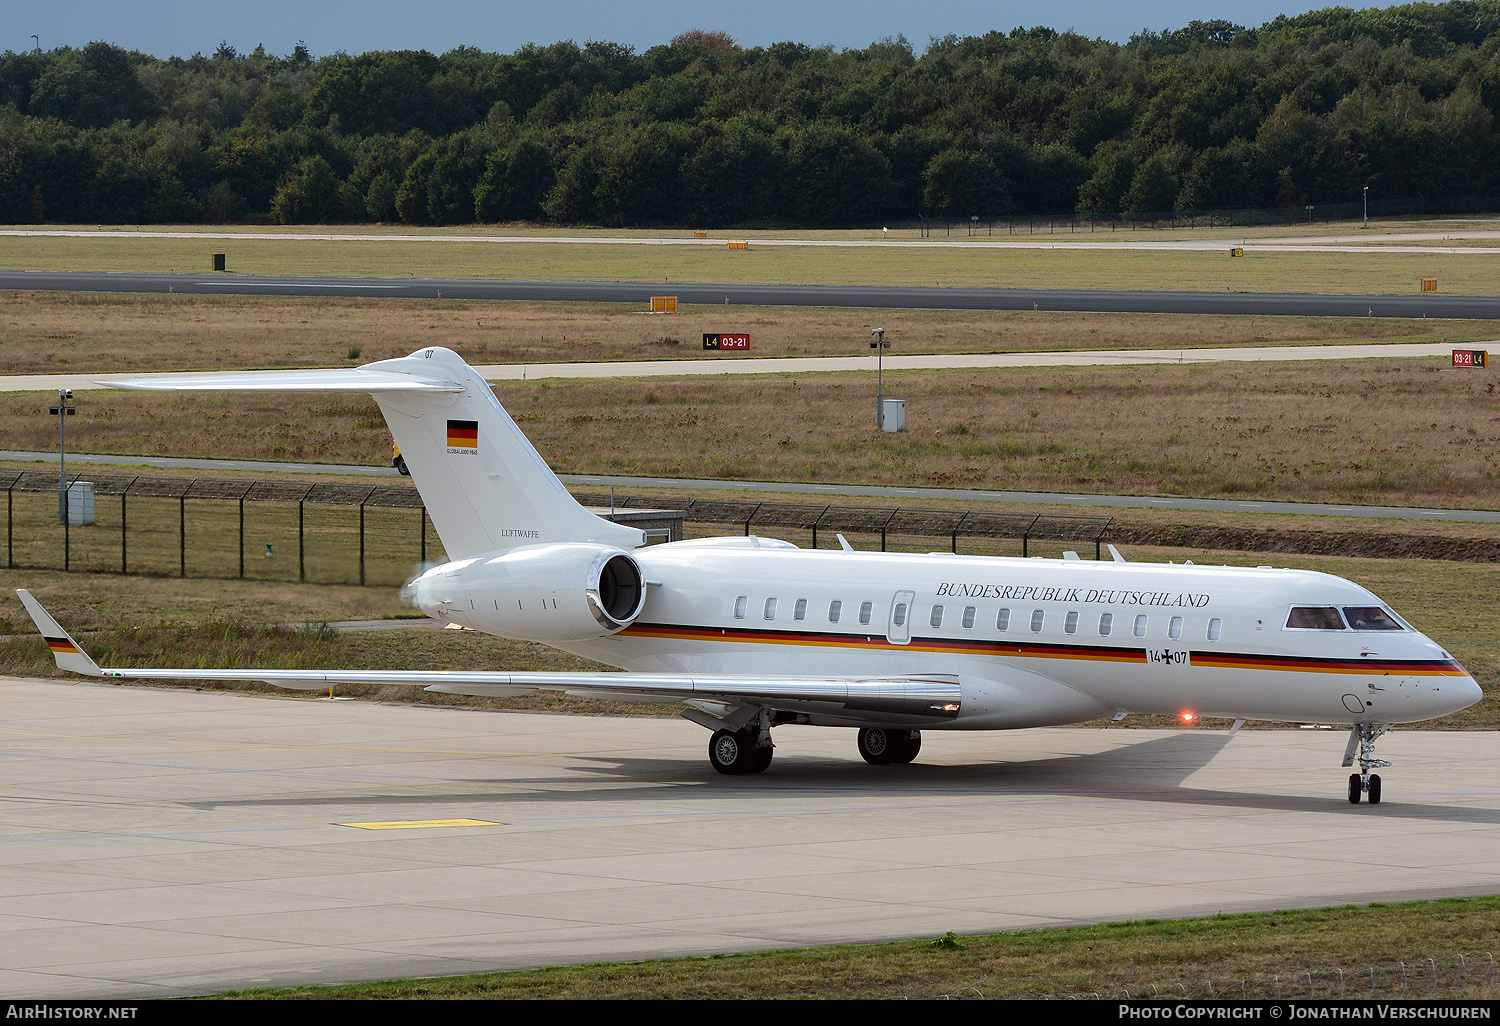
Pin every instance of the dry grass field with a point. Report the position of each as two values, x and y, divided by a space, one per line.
1389 432
107 332
464 254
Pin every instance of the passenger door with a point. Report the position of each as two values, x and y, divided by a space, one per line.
898 624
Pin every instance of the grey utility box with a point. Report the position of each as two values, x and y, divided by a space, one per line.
80 503
893 415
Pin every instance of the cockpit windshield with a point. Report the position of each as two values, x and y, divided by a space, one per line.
1371 618
1315 618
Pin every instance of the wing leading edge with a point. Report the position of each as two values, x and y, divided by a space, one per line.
935 695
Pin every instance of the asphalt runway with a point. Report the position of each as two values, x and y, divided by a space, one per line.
159 843
932 298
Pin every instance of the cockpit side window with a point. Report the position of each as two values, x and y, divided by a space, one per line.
1371 618
1315 618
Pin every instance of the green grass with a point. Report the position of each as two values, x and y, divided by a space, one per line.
1227 952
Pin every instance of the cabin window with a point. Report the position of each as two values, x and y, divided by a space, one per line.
1174 629
1002 620
865 609
799 611
740 604
1314 618
1070 625
834 609
770 609
1106 624
1140 626
969 613
1037 616
936 619
1215 628
1371 618
898 618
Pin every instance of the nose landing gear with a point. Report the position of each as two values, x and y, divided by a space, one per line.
1362 737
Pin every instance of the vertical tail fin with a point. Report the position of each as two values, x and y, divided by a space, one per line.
485 487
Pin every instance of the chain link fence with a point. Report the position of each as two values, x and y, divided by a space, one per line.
381 534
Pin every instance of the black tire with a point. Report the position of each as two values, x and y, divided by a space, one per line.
400 464
908 744
1374 788
1355 788
760 759
876 746
729 751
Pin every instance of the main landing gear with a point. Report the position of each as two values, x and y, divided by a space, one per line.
880 747
740 751
1362 737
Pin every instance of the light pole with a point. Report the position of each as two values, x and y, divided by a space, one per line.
62 411
880 345
1367 206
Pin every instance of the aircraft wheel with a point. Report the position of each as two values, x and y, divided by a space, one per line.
1374 788
729 751
760 759
908 744
1355 789
876 746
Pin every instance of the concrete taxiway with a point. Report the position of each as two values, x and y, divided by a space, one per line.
716 365
157 842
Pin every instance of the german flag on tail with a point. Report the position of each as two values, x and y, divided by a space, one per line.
463 434
63 646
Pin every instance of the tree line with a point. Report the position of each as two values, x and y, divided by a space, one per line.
704 132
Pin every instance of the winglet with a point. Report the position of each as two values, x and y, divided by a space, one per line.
64 649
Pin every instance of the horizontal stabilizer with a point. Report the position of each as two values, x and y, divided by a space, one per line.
346 379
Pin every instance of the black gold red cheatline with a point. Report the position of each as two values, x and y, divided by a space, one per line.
1033 650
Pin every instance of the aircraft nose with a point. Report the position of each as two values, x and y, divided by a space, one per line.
1466 693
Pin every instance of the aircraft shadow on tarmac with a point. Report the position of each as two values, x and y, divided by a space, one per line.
1155 770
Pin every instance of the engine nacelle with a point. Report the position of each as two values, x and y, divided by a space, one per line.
566 591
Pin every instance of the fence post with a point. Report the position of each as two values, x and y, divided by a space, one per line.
182 534
301 557
10 525
242 536
361 544
955 531
67 524
886 525
123 535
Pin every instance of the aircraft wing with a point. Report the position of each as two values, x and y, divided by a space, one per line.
935 695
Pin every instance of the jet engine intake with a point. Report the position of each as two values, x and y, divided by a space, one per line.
567 591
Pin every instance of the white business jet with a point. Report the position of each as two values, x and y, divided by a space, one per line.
751 633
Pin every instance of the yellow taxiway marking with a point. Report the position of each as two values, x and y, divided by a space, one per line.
420 824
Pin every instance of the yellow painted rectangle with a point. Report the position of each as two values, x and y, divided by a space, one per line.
420 824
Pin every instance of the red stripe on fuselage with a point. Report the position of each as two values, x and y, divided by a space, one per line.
1025 650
